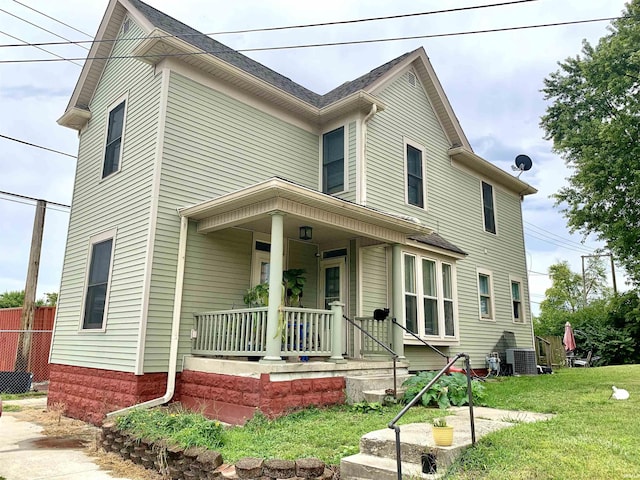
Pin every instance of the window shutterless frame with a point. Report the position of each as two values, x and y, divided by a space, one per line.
429 297
99 268
114 137
415 174
517 306
485 295
488 208
334 168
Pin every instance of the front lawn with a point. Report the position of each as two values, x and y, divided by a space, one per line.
590 437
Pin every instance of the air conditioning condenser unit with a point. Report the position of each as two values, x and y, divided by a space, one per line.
522 361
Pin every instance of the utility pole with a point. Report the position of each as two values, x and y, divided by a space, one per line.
23 352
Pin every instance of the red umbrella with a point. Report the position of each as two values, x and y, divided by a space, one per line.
568 340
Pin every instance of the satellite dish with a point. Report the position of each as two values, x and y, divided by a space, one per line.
522 164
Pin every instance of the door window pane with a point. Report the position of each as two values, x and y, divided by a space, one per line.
332 285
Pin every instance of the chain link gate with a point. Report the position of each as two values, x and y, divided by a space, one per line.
24 360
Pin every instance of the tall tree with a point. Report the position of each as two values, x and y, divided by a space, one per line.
594 122
12 299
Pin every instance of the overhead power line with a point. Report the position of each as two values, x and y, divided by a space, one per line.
287 27
559 237
556 243
37 146
59 57
25 197
51 18
44 29
314 45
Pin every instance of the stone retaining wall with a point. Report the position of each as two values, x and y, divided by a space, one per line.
178 463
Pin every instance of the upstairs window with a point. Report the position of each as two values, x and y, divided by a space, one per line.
415 175
97 291
516 301
113 148
488 211
333 161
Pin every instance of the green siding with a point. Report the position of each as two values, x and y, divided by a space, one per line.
375 280
303 255
350 134
120 201
453 209
210 138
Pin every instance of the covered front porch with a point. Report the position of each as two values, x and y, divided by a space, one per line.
276 213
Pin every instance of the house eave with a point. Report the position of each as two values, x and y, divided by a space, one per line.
277 194
161 45
75 118
479 165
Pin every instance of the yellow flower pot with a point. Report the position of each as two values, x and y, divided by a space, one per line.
443 436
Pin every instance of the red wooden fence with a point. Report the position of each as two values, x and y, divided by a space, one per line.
40 340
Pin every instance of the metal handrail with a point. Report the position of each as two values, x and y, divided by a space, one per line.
443 355
394 355
392 424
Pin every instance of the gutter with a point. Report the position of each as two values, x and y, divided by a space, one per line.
363 181
175 328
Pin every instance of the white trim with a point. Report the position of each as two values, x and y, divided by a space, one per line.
495 210
153 220
110 234
441 337
423 151
492 297
123 98
523 316
345 160
360 165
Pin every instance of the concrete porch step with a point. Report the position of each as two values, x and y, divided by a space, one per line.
356 385
372 396
377 457
366 467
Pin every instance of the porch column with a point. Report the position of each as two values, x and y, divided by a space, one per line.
336 333
274 340
397 294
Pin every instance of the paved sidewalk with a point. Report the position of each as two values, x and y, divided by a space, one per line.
26 454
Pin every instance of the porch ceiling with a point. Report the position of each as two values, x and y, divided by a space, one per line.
331 217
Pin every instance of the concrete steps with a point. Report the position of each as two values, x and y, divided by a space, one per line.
377 457
372 387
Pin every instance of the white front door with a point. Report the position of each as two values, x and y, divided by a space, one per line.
333 287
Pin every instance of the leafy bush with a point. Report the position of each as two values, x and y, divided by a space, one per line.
187 429
366 407
447 391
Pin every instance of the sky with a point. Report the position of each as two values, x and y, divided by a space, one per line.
493 81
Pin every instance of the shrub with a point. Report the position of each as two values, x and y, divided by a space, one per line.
447 391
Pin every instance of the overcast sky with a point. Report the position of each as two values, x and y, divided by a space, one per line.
493 81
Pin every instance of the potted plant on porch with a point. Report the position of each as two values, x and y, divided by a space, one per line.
442 432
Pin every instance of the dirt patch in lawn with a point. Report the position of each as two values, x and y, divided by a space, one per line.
64 432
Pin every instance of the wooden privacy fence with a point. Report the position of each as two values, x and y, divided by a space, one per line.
550 351
40 340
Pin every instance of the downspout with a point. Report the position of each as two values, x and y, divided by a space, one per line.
175 328
363 180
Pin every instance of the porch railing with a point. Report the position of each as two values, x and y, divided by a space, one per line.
243 332
361 344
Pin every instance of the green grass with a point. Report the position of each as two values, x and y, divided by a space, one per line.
590 437
11 408
21 396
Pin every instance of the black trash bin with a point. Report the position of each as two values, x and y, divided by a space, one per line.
15 382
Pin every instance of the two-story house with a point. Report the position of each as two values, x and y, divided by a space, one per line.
202 173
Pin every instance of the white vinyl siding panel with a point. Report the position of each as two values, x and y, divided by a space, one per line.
213 145
120 201
453 209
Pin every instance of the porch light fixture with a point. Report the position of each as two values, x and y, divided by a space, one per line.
306 233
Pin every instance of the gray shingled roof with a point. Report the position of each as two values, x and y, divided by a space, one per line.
436 240
217 49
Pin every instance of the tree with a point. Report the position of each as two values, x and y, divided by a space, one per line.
568 293
12 299
594 122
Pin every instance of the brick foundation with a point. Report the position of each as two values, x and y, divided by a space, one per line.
90 393
234 399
